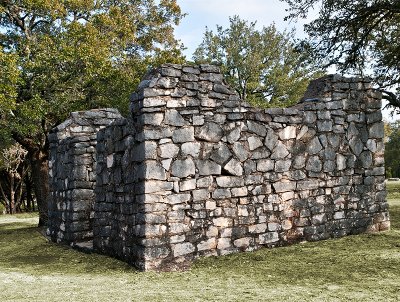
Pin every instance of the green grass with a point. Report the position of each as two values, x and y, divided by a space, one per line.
354 268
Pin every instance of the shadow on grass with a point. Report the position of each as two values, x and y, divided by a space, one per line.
23 247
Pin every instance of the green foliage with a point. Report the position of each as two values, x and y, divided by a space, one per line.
392 151
77 55
356 36
264 66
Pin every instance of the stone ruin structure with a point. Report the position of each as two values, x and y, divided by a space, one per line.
194 171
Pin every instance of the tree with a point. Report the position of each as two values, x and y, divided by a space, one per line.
76 55
264 66
392 150
357 36
11 161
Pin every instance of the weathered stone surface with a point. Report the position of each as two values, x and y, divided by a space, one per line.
183 168
376 130
210 132
271 139
208 167
234 167
315 146
280 151
183 135
173 118
254 142
154 170
191 148
256 128
230 181
288 132
314 164
169 151
265 165
240 151
221 153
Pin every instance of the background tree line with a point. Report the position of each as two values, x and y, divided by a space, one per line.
61 56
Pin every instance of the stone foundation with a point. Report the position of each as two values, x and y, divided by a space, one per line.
197 172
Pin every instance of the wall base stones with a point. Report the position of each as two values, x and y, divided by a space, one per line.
197 172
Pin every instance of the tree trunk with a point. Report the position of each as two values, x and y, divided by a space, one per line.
40 177
12 194
30 205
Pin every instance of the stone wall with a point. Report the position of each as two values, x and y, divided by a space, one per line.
196 172
72 165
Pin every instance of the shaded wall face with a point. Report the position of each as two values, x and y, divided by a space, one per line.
72 165
205 174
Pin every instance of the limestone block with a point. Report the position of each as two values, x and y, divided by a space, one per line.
148 134
221 193
271 139
254 142
221 153
152 186
242 243
376 130
171 72
154 170
324 126
240 151
280 187
210 132
152 118
223 222
314 164
282 165
207 244
242 210
211 205
234 167
356 145
183 168
183 135
173 118
200 194
280 151
239 192
268 238
256 128
234 135
204 182
208 167
309 184
273 226
340 162
182 249
265 165
187 185
178 198
224 243
198 120
169 151
288 132
314 146
229 181
191 148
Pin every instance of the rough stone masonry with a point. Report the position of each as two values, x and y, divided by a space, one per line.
195 171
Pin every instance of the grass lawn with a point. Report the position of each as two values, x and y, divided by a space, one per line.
355 268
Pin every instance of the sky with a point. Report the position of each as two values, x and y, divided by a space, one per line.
202 13
209 13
